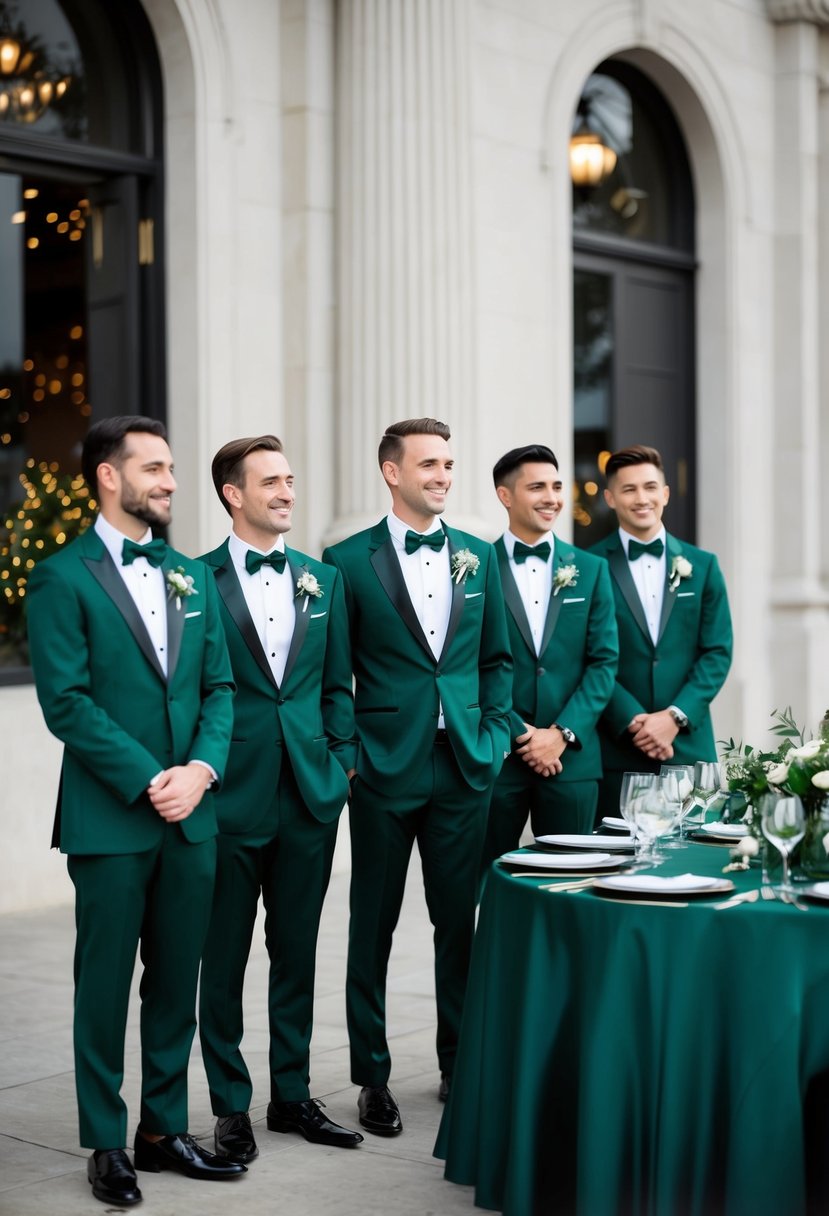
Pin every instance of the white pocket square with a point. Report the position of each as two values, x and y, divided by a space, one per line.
316 615
684 595
187 615
473 595
574 599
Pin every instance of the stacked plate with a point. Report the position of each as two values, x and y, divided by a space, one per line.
563 863
723 831
607 844
651 886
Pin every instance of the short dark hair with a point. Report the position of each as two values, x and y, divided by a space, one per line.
391 445
511 461
625 458
105 441
229 462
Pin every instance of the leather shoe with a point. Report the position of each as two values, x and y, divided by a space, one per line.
445 1082
378 1111
112 1177
307 1119
234 1138
183 1154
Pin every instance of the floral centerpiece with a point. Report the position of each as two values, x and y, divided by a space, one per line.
796 766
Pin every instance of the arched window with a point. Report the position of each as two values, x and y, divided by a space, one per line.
81 287
633 290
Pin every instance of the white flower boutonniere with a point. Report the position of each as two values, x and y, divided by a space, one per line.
308 586
464 564
565 576
180 586
680 568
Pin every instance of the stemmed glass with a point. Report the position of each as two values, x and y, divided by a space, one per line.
655 817
706 789
677 785
784 825
633 786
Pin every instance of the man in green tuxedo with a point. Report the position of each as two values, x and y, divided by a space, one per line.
430 655
674 625
562 629
133 676
285 786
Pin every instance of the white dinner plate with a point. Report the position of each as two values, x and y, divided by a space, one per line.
613 821
819 891
562 862
725 831
652 886
609 843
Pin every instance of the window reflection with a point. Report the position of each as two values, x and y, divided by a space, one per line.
42 83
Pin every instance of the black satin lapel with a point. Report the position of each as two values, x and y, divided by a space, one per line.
387 568
458 600
668 597
234 601
175 625
512 597
620 570
302 615
104 571
554 605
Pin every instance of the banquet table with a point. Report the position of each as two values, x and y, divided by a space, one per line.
646 1060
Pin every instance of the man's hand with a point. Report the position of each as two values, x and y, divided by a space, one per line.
654 734
179 790
541 748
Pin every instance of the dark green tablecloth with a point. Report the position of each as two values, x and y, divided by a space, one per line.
654 1061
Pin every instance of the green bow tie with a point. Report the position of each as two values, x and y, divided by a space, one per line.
155 552
521 552
636 549
255 561
435 540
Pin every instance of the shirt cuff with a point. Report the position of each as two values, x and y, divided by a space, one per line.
678 716
213 774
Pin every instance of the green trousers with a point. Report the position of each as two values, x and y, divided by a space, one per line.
162 899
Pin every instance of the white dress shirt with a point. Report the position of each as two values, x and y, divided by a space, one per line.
428 580
270 600
144 582
534 579
649 574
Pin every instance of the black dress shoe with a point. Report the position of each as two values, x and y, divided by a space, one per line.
234 1138
378 1111
307 1119
113 1178
183 1154
445 1082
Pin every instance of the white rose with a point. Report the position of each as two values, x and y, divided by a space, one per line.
807 751
778 774
748 847
821 779
683 567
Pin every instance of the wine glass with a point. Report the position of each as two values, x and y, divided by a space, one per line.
706 790
654 816
684 774
670 783
784 825
633 784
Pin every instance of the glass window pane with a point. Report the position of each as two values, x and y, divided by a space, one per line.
41 70
592 401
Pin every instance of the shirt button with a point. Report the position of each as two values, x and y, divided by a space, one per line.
270 618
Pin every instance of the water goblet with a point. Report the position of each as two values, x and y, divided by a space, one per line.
632 785
784 825
707 782
672 780
654 816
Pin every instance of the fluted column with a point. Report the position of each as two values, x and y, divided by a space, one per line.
404 238
800 642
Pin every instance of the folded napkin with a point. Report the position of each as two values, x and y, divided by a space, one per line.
652 882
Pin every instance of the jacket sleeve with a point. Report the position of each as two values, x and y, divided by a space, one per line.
714 647
337 689
495 661
211 742
584 708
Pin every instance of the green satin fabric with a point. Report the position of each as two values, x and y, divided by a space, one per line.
618 1059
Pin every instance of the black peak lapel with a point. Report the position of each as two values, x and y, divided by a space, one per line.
175 621
512 596
559 557
458 598
387 568
672 549
302 615
104 570
234 600
620 569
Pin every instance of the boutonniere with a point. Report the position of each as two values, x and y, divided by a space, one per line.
464 564
308 586
680 568
180 586
565 576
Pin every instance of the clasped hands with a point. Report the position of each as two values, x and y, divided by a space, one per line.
654 734
177 791
542 747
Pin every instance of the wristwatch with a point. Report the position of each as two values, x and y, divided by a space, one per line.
566 734
678 716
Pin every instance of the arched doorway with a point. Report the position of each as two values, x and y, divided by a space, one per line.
633 296
81 283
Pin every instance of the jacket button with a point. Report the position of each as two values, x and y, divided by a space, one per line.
540 671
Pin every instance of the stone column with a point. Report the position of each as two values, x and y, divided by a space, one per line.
795 496
404 241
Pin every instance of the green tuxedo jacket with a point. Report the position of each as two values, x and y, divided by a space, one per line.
105 696
571 679
686 667
399 682
310 715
